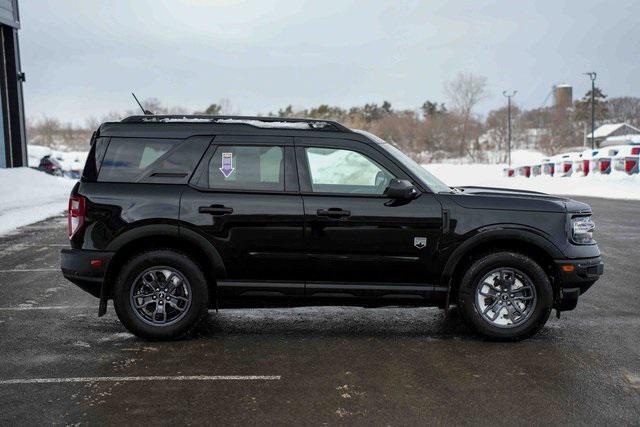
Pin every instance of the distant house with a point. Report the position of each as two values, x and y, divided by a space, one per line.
631 139
612 130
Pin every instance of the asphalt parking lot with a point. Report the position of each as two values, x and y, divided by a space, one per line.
317 366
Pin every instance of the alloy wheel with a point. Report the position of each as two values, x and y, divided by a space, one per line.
160 296
505 297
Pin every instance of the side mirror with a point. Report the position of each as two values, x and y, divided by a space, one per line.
401 189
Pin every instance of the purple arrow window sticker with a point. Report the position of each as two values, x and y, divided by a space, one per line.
227 164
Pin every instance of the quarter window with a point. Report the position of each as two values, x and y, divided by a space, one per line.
126 158
247 168
335 170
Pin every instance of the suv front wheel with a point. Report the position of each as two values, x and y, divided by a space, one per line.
505 295
160 294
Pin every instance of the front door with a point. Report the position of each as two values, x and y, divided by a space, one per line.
358 241
244 199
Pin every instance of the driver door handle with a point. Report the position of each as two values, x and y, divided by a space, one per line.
334 213
215 210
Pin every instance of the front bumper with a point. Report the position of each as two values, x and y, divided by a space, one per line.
84 268
575 277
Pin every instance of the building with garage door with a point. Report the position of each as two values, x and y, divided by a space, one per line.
13 144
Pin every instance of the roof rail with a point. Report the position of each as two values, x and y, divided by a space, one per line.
261 122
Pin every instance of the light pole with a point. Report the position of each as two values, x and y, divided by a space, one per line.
592 75
509 96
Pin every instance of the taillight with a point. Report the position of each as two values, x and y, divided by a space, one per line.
635 151
566 168
510 172
629 165
585 167
75 217
604 165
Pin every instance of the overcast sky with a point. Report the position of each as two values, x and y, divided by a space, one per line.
84 57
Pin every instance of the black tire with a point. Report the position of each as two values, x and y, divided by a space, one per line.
541 301
186 320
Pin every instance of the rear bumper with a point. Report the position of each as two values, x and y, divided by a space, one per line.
84 268
583 274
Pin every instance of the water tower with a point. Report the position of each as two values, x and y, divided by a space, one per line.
563 95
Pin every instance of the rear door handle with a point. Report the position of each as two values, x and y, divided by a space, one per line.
334 213
215 210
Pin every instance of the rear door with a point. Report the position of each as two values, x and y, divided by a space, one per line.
245 200
358 241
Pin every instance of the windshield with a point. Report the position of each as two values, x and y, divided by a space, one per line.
433 183
421 173
425 177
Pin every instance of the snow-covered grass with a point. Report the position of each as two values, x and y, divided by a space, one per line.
28 196
615 186
518 157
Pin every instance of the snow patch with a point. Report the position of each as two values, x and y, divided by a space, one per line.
81 344
118 336
28 196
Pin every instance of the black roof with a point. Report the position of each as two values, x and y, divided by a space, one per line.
183 126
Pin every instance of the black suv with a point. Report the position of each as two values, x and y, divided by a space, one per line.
175 215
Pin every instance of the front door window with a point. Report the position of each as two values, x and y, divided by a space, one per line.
335 170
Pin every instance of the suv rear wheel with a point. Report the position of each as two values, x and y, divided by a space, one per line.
506 295
161 294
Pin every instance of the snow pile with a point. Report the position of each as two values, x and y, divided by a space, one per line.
28 196
526 157
614 186
518 157
37 152
71 160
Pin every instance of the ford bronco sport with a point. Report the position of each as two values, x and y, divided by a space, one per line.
174 215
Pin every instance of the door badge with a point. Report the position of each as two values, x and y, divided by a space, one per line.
420 242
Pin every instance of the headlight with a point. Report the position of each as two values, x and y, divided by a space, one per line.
582 230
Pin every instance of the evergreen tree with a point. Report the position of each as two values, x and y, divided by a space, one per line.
583 106
213 110
431 109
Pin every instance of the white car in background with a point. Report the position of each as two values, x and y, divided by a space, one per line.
523 170
536 169
548 166
563 163
581 167
626 159
602 162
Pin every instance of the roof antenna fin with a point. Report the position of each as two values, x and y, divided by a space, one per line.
145 112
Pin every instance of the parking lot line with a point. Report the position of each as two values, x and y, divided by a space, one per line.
51 307
29 270
33 245
148 378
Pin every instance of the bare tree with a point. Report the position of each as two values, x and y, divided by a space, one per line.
625 109
465 92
